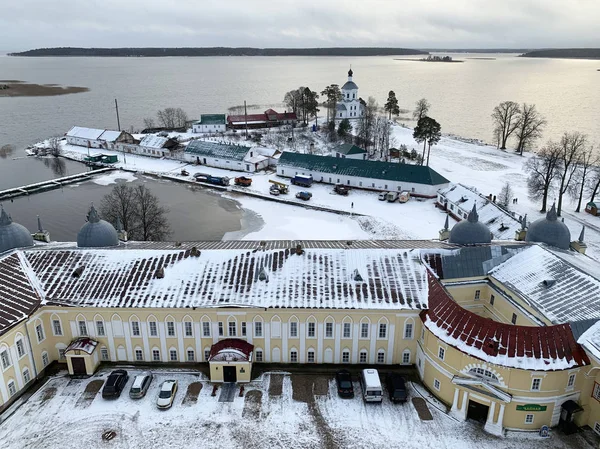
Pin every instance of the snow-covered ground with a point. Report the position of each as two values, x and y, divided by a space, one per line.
57 417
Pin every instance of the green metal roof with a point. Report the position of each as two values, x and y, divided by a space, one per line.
348 148
417 174
211 119
212 149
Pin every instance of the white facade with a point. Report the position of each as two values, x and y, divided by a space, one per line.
85 136
350 106
200 128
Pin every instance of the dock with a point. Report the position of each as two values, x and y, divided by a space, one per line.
51 184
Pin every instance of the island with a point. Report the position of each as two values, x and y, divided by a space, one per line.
431 58
17 88
564 53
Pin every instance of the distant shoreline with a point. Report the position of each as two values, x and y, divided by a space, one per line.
16 88
564 53
425 60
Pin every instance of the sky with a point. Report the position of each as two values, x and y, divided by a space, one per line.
27 24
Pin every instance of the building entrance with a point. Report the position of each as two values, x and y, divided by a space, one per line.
229 374
477 412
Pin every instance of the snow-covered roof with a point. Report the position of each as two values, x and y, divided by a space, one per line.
353 278
590 340
502 225
256 159
152 141
217 150
85 133
550 284
109 135
84 344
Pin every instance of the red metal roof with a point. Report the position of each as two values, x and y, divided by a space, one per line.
529 347
231 344
262 117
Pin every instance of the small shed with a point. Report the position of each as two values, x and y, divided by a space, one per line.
591 208
350 151
230 360
82 358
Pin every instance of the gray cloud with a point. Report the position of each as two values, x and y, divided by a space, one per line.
286 23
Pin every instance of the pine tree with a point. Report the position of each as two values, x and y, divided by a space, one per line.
391 106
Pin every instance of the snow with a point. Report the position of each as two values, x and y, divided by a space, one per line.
64 421
109 135
112 177
152 141
590 340
85 133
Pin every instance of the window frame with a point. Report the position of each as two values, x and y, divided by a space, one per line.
294 325
5 359
514 319
82 328
258 355
347 326
100 328
380 357
441 353
171 333
232 328
409 325
156 355
311 329
329 329
205 328
527 418
571 380
533 384
139 355
477 295
26 376
12 388
404 354
39 332
310 356
21 352
191 352
363 352
45 359
243 329
221 329
135 329
364 326
103 351
188 326
54 328
344 353
153 332
293 356
173 353
437 385
258 329
382 331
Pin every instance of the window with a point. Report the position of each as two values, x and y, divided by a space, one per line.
153 329
173 355
258 355
492 300
5 359
135 328
347 330
381 357
188 328
20 348
529 419
139 355
362 358
422 333
311 329
293 356
220 328
155 355
205 329
206 354
45 360
406 357
436 384
484 374
61 354
571 381
231 328
100 328
26 376
441 353
364 330
275 327
82 328
597 428
104 354
39 331
243 328
382 330
294 329
328 330
477 294
408 331
536 384
12 389
56 327
190 355
311 356
345 357
514 318
258 329
170 328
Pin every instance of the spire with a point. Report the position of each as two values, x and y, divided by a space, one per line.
93 215
40 228
350 73
446 223
580 239
473 216
551 215
524 223
5 219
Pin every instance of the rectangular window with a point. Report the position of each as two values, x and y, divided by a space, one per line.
5 359
26 376
441 353
380 357
170 329
205 329
311 330
311 356
477 294
596 392
364 330
56 327
173 355
328 330
61 354
104 354
529 419
597 428
155 355
492 300
536 384
294 329
45 360
571 381
514 318
231 328
243 328
20 348
100 329
153 329
190 356
408 331
422 334
220 328
135 328
188 328
259 356
39 331
406 358
362 358
293 356
139 355
436 384
347 330
345 357
12 389
258 329
206 354
382 330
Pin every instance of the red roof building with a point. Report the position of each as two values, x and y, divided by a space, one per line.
267 119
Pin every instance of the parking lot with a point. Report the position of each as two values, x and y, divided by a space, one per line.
276 410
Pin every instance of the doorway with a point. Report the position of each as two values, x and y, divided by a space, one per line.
229 374
477 412
78 364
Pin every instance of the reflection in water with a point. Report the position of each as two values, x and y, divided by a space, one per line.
6 150
57 165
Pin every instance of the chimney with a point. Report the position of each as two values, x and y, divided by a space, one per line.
299 250
445 232
579 245
159 273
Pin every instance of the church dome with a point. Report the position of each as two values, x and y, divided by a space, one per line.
470 231
12 235
97 233
550 231
349 85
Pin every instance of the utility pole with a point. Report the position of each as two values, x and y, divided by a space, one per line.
246 118
118 122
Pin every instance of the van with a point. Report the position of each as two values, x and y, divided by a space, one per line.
371 385
382 196
391 197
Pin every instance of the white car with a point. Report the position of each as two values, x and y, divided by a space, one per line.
167 394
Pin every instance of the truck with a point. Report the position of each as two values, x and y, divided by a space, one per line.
391 197
282 187
243 181
210 179
302 180
304 195
341 189
404 196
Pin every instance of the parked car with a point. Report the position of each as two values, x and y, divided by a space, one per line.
383 196
371 385
344 384
140 385
274 191
341 189
167 393
304 195
396 388
115 384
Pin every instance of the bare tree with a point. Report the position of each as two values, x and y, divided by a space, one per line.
506 120
6 150
594 184
366 126
421 109
571 146
529 127
54 146
119 205
505 195
587 162
149 123
543 170
172 118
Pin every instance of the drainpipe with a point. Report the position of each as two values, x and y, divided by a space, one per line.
35 370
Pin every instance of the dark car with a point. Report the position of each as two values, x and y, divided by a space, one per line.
115 384
344 384
396 388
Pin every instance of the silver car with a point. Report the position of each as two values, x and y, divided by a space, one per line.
140 385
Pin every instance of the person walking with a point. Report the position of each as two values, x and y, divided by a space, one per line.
352 205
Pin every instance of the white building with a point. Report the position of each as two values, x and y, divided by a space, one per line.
350 106
98 138
228 156
350 151
210 123
155 146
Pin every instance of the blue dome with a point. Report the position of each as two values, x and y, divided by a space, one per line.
470 231
349 85
550 231
13 235
97 233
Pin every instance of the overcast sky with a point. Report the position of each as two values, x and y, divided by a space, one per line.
26 24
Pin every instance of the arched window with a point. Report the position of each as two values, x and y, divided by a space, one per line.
26 376
117 325
346 355
139 354
409 329
293 327
362 356
205 326
45 359
311 327
206 353
381 356
104 355
329 327
382 328
12 388
406 357
82 327
258 355
152 326
258 327
231 326
170 325
155 354
39 330
276 327
293 355
484 374
188 326
347 327
173 355
134 327
190 355
100 327
365 325
20 345
61 348
5 357
57 329
310 355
